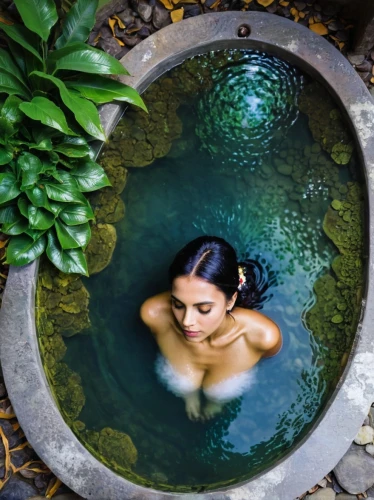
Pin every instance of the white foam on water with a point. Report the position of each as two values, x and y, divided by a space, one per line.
232 387
178 384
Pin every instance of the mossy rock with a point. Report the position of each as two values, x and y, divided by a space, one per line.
62 302
117 447
325 119
113 446
100 249
68 389
342 153
108 206
343 222
334 317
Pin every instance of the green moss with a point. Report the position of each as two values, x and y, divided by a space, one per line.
62 302
342 153
326 122
113 447
68 390
100 249
334 317
108 206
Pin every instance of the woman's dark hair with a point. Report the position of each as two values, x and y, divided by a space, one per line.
214 260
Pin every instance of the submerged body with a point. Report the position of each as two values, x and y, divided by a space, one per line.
203 347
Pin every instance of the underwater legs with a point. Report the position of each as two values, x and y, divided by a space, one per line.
212 408
193 405
194 409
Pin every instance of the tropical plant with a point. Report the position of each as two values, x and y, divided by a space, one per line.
50 85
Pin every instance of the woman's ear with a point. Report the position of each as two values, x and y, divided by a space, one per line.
232 301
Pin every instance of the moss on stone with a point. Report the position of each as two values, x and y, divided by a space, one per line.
62 302
108 205
334 317
100 249
326 122
68 389
113 447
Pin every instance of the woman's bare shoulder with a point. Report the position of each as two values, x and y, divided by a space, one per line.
262 332
155 310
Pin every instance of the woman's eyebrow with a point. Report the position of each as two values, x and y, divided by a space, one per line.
198 304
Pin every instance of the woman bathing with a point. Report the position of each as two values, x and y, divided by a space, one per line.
207 340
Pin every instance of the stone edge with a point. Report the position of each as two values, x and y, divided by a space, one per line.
334 431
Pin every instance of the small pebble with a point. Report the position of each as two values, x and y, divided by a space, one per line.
365 435
355 59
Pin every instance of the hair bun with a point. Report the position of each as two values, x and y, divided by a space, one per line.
254 281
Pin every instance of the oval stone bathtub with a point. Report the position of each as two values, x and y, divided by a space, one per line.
332 433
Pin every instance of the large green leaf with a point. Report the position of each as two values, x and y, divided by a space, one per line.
5 156
6 130
72 150
73 215
7 64
82 57
23 249
9 84
23 206
40 218
22 36
72 236
84 111
90 176
16 227
66 191
78 23
10 111
9 214
44 145
101 90
56 207
38 15
68 261
35 234
46 111
73 147
30 163
31 168
38 197
9 187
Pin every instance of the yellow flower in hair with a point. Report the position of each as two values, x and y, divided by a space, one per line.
242 278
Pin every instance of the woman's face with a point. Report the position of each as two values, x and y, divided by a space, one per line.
198 306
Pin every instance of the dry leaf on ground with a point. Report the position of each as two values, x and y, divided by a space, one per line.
112 23
319 28
168 4
265 3
177 15
120 22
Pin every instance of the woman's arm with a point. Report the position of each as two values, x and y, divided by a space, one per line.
154 310
264 335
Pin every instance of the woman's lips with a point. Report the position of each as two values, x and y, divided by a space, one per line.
189 333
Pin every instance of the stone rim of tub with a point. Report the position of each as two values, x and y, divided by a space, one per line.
335 429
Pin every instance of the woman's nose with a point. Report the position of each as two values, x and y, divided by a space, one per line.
189 318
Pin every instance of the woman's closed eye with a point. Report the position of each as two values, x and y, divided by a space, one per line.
177 305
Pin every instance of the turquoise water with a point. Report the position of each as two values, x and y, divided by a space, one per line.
234 189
